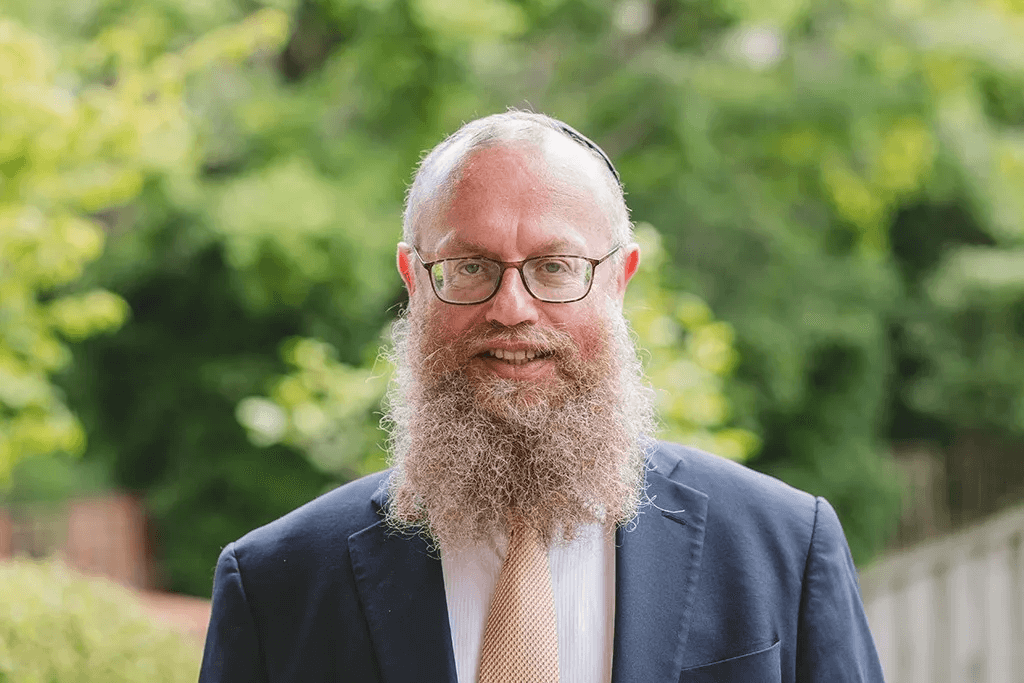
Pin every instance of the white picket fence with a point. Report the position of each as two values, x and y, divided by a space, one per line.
952 610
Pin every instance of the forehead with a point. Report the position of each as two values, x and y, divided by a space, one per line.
515 200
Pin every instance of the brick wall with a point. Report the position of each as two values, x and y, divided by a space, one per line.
103 536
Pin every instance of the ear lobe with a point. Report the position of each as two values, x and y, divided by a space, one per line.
404 261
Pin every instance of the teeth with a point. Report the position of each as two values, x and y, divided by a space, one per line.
514 357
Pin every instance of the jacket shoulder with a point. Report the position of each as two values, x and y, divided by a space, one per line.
726 480
741 502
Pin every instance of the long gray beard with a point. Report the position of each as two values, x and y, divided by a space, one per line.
472 451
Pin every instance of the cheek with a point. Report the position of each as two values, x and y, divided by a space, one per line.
443 320
591 341
591 326
587 329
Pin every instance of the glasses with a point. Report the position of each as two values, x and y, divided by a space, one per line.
554 279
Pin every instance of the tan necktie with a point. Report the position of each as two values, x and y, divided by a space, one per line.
521 636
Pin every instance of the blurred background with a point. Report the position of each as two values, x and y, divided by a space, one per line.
200 200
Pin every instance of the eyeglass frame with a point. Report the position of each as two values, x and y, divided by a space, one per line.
518 265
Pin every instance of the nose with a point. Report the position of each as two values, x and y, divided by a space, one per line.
512 304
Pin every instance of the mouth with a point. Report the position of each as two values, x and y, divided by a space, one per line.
517 357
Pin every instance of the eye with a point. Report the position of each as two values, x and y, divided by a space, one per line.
471 268
554 267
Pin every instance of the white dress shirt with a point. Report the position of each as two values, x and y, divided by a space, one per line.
583 581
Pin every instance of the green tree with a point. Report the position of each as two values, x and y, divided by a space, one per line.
95 133
64 156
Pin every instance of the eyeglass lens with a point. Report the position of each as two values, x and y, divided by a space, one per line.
549 278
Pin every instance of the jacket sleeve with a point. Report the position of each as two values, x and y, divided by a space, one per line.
233 653
834 644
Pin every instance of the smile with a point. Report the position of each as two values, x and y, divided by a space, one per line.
520 357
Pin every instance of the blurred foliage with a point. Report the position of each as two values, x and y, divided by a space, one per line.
62 155
327 409
74 148
52 480
688 357
842 183
57 626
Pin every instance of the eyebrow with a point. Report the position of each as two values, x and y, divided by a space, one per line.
469 247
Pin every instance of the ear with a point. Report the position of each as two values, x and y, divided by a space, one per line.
630 263
405 266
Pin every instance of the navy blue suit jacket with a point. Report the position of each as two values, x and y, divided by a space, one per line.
730 576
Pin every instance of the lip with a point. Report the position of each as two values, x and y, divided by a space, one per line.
523 370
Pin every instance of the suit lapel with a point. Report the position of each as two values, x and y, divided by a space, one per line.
657 564
401 588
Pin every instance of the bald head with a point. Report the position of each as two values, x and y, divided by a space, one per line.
568 163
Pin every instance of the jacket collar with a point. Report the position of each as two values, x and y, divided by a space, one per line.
401 588
657 563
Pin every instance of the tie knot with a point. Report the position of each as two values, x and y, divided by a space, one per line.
522 534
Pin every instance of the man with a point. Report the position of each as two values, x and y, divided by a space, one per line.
530 528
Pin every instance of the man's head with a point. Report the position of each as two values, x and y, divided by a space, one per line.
507 405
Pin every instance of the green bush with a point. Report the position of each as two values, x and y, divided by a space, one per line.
59 626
